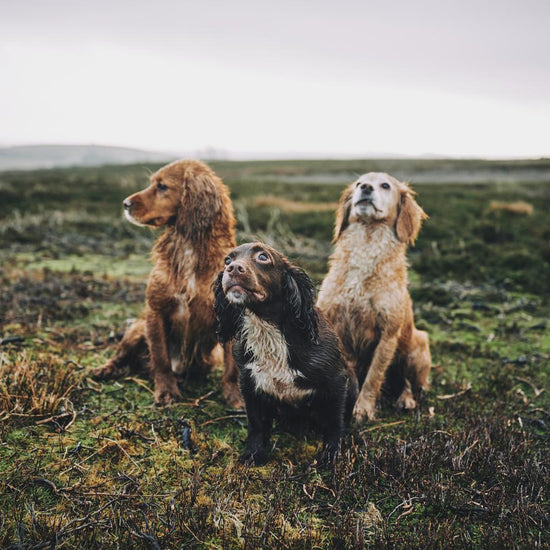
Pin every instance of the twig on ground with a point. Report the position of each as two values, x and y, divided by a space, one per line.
56 418
405 504
11 340
140 383
458 394
536 390
198 401
220 418
380 426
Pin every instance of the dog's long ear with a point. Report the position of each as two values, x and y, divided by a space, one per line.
342 213
201 202
228 316
409 217
299 299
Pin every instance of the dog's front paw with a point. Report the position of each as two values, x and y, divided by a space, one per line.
233 397
327 456
252 458
365 410
107 371
166 392
406 402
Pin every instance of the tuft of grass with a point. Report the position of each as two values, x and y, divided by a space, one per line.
34 385
517 207
288 205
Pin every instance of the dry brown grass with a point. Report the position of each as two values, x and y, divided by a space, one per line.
38 385
288 205
521 208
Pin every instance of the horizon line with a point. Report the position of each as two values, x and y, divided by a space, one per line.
211 153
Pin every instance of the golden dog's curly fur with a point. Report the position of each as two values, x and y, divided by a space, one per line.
177 327
365 293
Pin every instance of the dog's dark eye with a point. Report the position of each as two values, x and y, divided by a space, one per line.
227 260
385 185
263 257
162 187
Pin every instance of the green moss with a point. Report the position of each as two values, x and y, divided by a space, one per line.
133 266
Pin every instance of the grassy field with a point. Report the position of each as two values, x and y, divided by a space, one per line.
89 465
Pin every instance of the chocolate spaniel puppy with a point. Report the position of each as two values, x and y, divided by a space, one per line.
288 354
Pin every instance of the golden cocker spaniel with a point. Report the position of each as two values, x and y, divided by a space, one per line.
365 293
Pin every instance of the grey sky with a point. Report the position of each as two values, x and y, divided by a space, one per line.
360 65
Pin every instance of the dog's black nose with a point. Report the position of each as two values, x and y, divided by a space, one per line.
234 266
127 204
366 188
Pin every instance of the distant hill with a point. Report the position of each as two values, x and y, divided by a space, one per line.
29 157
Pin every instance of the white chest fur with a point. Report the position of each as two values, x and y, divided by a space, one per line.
369 248
269 368
366 281
365 260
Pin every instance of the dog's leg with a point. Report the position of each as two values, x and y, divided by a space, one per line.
230 381
260 414
417 369
383 355
166 385
406 399
131 351
199 352
330 412
419 360
352 392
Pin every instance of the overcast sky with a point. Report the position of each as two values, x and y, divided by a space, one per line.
450 77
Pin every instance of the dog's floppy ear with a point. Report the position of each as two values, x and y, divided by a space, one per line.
342 213
228 316
409 217
200 202
299 299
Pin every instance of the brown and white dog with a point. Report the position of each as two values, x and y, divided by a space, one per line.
289 356
177 329
365 294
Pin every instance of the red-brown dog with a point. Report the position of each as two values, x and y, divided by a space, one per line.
178 325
